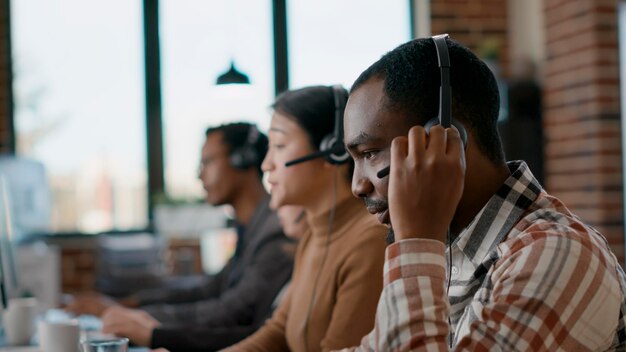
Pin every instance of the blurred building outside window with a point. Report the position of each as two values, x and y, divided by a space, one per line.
79 108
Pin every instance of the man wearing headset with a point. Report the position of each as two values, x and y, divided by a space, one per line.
243 292
484 259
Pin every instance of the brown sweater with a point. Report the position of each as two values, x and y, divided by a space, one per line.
344 295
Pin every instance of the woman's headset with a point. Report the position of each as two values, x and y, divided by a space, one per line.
331 147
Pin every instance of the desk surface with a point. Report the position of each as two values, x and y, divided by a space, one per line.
36 349
20 349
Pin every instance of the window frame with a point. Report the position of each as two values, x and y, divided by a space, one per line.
153 95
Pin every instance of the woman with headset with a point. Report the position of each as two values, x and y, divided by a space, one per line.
337 276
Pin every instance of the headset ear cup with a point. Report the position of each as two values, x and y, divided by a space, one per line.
337 154
432 122
243 158
462 132
246 155
237 160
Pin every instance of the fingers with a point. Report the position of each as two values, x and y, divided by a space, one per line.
399 151
437 140
455 143
113 319
418 142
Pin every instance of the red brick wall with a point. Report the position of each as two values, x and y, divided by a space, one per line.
5 79
582 112
78 267
581 97
476 24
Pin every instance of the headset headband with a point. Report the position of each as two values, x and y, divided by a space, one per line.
445 91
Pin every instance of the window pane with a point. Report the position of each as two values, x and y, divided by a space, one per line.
333 41
79 108
199 39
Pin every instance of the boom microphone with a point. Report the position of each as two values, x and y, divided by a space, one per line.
384 172
312 156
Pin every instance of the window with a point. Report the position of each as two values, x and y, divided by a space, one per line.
333 41
79 87
79 108
199 40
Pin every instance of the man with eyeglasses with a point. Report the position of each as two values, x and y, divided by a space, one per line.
243 292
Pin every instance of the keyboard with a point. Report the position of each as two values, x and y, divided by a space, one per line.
85 322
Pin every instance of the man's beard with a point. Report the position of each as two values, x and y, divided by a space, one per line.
381 203
391 237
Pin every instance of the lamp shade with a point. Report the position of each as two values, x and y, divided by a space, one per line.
233 76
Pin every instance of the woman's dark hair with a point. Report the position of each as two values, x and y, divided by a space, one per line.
313 109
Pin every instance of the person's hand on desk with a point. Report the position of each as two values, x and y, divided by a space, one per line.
90 303
96 303
134 324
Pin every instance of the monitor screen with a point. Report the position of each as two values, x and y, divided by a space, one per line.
8 272
29 193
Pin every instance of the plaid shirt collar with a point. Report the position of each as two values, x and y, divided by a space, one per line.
498 217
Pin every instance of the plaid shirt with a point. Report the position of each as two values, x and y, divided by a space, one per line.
526 274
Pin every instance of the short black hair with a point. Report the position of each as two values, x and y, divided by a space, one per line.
235 135
313 109
411 85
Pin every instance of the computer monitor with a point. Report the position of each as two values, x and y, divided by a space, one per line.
9 278
29 193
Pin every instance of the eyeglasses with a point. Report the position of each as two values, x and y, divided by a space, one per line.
204 162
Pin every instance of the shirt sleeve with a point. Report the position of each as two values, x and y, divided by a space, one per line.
551 290
262 277
171 294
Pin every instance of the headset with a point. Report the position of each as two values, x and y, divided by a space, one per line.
445 119
333 151
331 147
246 155
445 96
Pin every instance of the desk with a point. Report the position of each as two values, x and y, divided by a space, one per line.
4 348
36 349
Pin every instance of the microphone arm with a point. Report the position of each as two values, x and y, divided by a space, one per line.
384 172
312 156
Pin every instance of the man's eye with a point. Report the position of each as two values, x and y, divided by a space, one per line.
278 146
369 154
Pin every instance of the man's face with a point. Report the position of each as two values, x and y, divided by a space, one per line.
219 178
369 129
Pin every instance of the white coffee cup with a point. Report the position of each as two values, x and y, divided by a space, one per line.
19 320
58 336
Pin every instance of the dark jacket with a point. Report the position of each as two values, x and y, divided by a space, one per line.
199 338
239 298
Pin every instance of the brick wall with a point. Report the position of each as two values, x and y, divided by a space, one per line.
581 96
582 112
79 260
5 80
479 25
78 267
